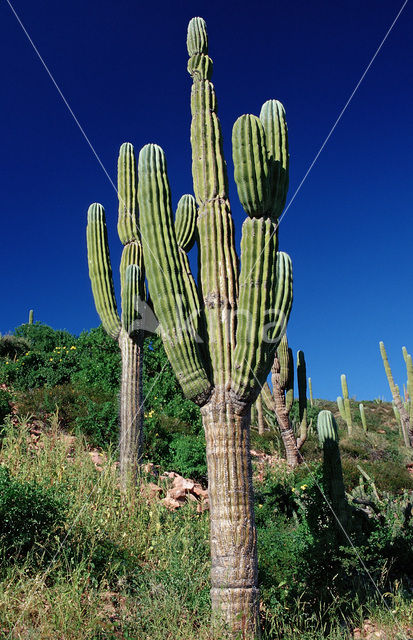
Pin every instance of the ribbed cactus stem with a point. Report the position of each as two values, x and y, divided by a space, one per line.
302 397
310 391
347 407
409 367
363 417
283 401
332 469
221 336
127 330
31 316
340 405
407 429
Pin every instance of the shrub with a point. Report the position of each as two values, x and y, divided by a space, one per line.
5 409
29 514
12 346
189 456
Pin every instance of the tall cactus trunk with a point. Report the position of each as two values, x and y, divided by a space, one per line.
131 409
292 452
234 580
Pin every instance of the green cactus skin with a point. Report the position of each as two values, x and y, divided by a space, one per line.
332 470
302 397
363 417
125 329
407 428
340 405
31 316
310 391
409 366
346 400
224 355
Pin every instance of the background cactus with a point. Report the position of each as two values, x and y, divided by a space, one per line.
31 316
310 392
344 405
126 330
363 417
221 357
279 403
406 423
332 470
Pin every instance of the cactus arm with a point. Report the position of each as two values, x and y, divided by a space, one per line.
273 119
185 222
251 170
100 270
218 276
302 397
169 293
251 367
127 193
185 231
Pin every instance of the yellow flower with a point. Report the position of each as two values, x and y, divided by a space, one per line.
293 489
51 359
304 487
27 353
260 506
73 347
7 362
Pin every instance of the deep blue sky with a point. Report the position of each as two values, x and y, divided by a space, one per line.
121 64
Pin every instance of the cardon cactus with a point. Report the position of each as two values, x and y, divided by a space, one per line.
31 316
125 330
363 417
280 401
406 420
344 405
332 470
221 337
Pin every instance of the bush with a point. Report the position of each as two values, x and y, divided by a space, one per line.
29 514
5 409
12 347
189 456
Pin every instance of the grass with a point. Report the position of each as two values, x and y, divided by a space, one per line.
124 567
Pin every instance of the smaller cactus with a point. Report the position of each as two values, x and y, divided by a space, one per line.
405 419
363 417
332 469
31 316
310 391
346 401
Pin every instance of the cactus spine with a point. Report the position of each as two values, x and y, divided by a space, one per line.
406 424
126 329
332 470
224 371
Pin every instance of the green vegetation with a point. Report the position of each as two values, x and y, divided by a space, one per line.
81 559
